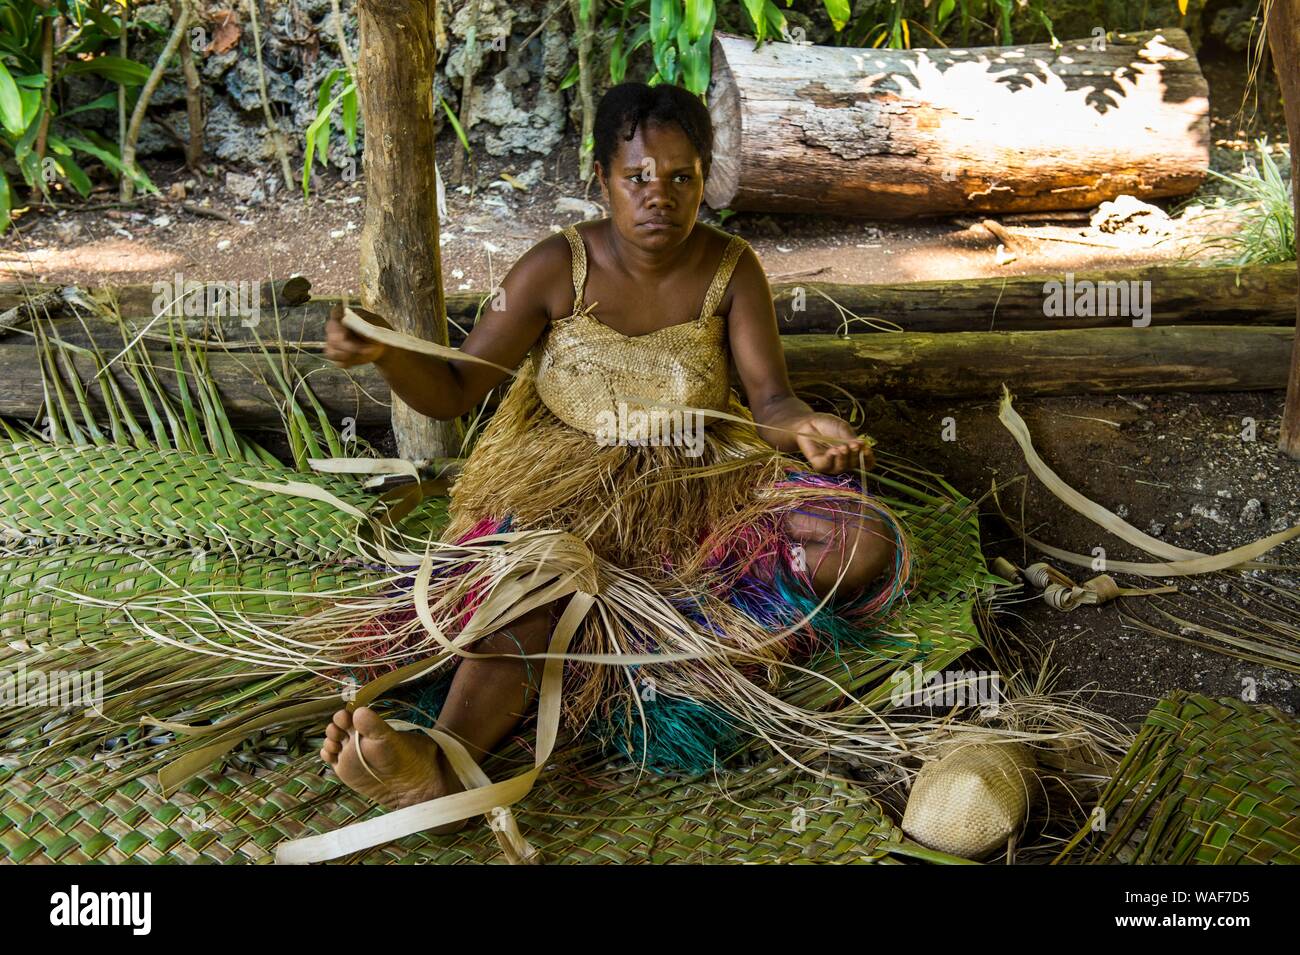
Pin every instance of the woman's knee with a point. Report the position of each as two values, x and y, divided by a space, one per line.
854 549
871 550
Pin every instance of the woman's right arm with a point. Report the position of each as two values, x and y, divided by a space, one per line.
510 323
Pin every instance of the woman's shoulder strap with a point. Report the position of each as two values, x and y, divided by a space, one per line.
578 260
721 278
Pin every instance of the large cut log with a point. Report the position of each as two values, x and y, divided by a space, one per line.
896 133
916 366
1177 294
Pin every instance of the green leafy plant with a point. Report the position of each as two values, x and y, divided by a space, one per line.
1265 208
680 32
39 142
318 133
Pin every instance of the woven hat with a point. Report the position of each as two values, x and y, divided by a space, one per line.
972 799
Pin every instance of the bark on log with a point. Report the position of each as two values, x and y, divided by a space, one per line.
360 393
401 266
1177 295
898 133
138 300
1257 295
1087 361
1284 42
916 366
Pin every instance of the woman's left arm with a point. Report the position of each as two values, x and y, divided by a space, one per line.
760 362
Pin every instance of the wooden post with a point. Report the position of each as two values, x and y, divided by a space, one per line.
401 268
1284 42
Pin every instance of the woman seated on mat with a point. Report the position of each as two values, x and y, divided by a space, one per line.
680 303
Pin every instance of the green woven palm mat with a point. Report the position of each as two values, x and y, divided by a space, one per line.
1208 782
764 815
38 609
937 624
52 494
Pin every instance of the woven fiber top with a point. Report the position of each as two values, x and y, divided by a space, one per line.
585 371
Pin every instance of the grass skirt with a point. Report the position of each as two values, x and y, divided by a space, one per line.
700 562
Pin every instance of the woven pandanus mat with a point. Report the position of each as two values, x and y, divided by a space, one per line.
1209 782
936 625
52 494
235 815
70 596
758 815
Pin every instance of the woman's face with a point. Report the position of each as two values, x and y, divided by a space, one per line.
654 186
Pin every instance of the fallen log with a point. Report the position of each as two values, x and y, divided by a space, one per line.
917 366
241 379
1067 362
897 133
1177 294
20 301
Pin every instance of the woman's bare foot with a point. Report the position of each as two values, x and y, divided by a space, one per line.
409 766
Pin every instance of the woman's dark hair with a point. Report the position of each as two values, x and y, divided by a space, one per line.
628 105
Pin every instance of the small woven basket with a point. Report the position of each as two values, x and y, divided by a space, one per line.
972 799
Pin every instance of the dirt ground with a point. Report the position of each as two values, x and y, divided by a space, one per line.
1175 465
484 232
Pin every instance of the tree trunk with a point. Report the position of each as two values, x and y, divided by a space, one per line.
401 266
586 101
899 133
468 65
43 131
127 186
1284 42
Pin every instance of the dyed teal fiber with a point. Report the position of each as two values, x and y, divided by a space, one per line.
679 735
424 701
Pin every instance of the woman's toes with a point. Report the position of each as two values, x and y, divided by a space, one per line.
343 720
368 723
332 747
327 756
336 733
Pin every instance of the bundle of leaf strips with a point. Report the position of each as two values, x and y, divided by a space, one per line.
1207 782
673 734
